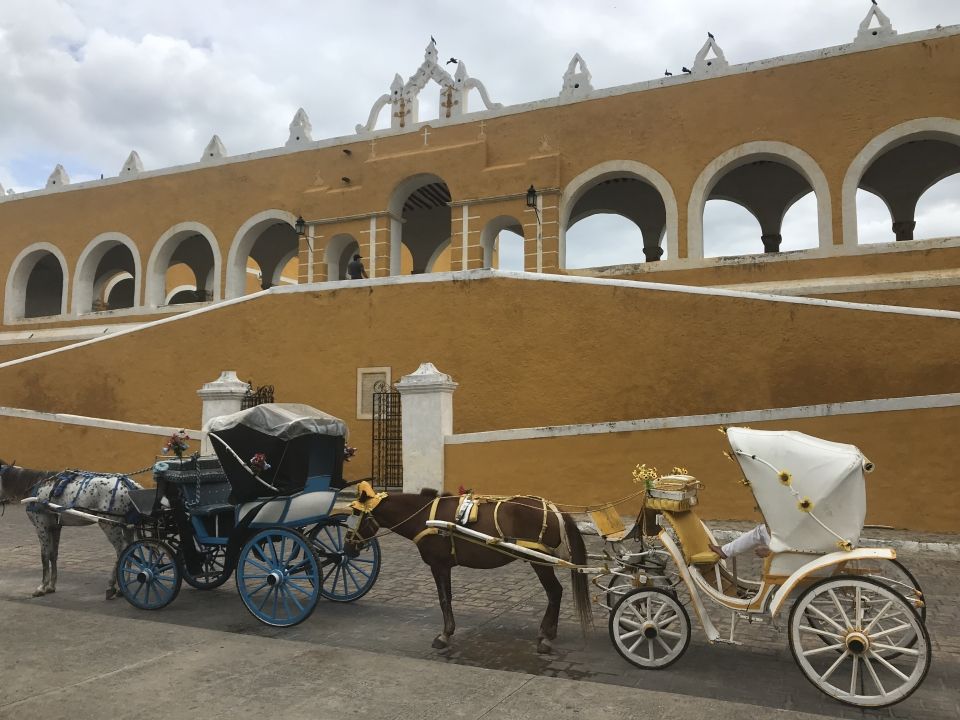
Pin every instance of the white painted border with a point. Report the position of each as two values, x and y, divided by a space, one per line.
86 269
754 66
583 182
101 423
474 275
735 157
15 292
933 127
243 242
388 371
858 407
163 250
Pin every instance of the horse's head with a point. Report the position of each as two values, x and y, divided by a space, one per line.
5 486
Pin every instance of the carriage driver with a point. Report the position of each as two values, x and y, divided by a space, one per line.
757 539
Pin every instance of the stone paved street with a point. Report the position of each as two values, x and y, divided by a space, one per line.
497 616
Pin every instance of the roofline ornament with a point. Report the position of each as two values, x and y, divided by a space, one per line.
133 164
702 65
301 131
576 80
214 150
58 177
884 30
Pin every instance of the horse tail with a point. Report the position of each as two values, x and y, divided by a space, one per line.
578 556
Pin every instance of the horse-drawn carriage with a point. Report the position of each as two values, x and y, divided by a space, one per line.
857 617
262 509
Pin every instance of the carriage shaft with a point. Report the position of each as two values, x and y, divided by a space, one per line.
59 509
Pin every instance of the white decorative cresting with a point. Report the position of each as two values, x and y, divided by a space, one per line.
704 65
883 30
214 150
132 165
576 80
427 398
58 177
301 131
223 396
403 98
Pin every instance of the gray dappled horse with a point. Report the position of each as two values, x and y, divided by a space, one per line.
107 495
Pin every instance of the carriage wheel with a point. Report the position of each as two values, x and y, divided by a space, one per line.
894 575
278 577
861 618
347 575
213 570
650 628
147 574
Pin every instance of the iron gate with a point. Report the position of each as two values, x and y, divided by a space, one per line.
263 394
387 469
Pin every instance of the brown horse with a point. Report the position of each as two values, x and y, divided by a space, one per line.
531 520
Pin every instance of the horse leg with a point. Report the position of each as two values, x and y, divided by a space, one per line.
119 537
554 590
41 522
441 576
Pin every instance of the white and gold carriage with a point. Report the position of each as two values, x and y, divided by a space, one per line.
856 615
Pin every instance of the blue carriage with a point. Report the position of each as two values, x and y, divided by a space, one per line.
261 509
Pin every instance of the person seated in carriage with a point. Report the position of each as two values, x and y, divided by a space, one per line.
757 540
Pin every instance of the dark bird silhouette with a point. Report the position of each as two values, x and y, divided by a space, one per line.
432 40
345 180
667 72
347 151
710 35
874 1
686 69
452 61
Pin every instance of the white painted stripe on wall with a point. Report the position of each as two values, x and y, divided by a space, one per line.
858 407
102 423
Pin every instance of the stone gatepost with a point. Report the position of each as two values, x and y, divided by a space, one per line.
223 396
427 402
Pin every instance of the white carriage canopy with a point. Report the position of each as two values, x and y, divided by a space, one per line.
811 491
284 421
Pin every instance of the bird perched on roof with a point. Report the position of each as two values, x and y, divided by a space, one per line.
453 61
667 73
710 35
874 1
432 40
686 69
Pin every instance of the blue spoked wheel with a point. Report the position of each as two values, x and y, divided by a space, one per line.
348 572
147 574
278 577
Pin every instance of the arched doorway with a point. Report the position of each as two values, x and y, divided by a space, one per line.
270 239
503 243
37 285
186 255
340 250
107 275
420 220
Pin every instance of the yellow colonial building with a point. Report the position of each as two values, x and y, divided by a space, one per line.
123 296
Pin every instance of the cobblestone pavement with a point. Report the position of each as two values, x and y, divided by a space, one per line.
498 613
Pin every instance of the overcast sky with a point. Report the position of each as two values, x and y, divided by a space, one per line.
84 82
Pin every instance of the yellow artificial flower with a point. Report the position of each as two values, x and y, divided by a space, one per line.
785 477
806 505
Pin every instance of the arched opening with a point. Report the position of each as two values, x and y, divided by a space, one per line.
766 187
420 220
36 286
107 275
503 243
938 210
800 231
899 166
728 229
607 239
340 250
873 219
767 178
186 255
271 240
441 260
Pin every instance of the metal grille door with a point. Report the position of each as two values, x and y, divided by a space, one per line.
387 470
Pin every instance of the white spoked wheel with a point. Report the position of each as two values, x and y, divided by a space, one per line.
650 628
851 652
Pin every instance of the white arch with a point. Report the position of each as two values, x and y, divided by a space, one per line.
86 270
278 270
114 281
243 243
490 232
576 188
436 254
163 250
932 128
15 292
733 158
335 247
398 197
177 289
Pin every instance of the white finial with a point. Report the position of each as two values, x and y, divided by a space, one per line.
880 32
300 129
576 80
132 165
461 74
58 177
214 150
396 87
430 53
703 65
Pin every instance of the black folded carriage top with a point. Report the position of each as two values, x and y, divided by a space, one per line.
303 448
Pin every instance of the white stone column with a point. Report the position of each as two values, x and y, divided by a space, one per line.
223 396
426 399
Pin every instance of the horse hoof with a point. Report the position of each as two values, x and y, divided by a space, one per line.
439 643
544 647
39 592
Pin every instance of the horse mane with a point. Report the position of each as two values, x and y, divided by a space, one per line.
17 481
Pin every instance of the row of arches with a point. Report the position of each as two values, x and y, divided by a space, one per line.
767 181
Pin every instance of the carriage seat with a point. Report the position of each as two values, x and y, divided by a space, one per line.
694 541
212 509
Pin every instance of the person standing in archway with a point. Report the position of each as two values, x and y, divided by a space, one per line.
355 269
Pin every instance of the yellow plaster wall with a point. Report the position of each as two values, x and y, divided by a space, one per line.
912 486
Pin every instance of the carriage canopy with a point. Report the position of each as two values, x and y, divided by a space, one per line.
811 491
299 442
